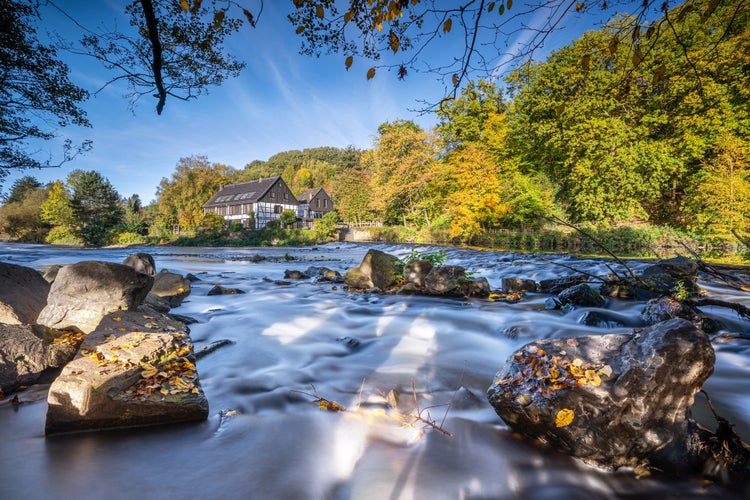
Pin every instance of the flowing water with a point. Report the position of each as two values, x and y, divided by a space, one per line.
297 343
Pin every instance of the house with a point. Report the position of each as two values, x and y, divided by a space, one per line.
313 204
253 204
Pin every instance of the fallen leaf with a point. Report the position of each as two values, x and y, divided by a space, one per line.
564 417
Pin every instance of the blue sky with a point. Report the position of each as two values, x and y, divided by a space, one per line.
282 101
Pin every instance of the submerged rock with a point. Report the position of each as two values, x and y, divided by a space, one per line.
581 295
23 294
221 290
28 351
171 287
295 275
612 400
85 292
133 370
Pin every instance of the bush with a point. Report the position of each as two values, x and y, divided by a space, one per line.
59 235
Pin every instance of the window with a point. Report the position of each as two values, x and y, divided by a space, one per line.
325 203
277 209
317 203
286 196
273 195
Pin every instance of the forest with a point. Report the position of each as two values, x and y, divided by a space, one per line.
646 129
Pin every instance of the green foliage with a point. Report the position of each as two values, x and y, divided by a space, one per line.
95 206
288 217
436 258
21 219
325 227
60 235
127 238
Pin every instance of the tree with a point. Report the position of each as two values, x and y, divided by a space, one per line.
174 49
21 218
95 205
288 217
56 209
465 40
352 194
21 188
35 93
180 199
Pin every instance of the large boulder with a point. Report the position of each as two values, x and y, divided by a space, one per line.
141 262
133 370
85 292
23 294
27 352
446 280
381 268
171 287
678 274
612 400
377 269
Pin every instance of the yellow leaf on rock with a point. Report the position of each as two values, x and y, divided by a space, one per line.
564 417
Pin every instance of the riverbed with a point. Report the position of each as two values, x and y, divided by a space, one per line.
297 344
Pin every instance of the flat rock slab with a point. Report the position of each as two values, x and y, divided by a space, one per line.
134 370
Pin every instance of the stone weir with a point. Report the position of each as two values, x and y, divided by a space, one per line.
133 370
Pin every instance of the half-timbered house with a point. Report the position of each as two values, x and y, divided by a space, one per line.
253 204
313 204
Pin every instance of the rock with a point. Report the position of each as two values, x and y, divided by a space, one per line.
416 272
446 280
29 351
191 277
172 287
612 400
295 275
666 308
557 285
23 294
133 370
355 278
141 262
581 295
381 268
408 288
50 272
220 290
670 275
608 319
479 287
85 292
518 285
156 303
331 275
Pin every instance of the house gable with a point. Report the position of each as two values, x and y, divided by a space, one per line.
253 203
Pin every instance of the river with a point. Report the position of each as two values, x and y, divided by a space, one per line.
293 344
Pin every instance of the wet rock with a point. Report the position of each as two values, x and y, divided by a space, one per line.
355 278
192 278
141 262
557 285
670 275
221 290
85 292
29 351
23 294
608 319
381 268
581 295
479 287
409 288
552 304
282 283
155 303
416 272
50 272
612 400
133 370
172 287
349 342
325 274
518 285
666 308
295 275
447 280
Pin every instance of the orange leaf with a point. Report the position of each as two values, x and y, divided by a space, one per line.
447 25
564 417
348 62
370 73
319 11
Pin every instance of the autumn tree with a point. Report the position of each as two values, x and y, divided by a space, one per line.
180 198
20 214
400 167
352 195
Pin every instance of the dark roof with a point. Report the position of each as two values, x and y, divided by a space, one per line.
244 192
308 194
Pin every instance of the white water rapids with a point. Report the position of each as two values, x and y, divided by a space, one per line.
266 436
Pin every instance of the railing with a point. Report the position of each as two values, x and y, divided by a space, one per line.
357 225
